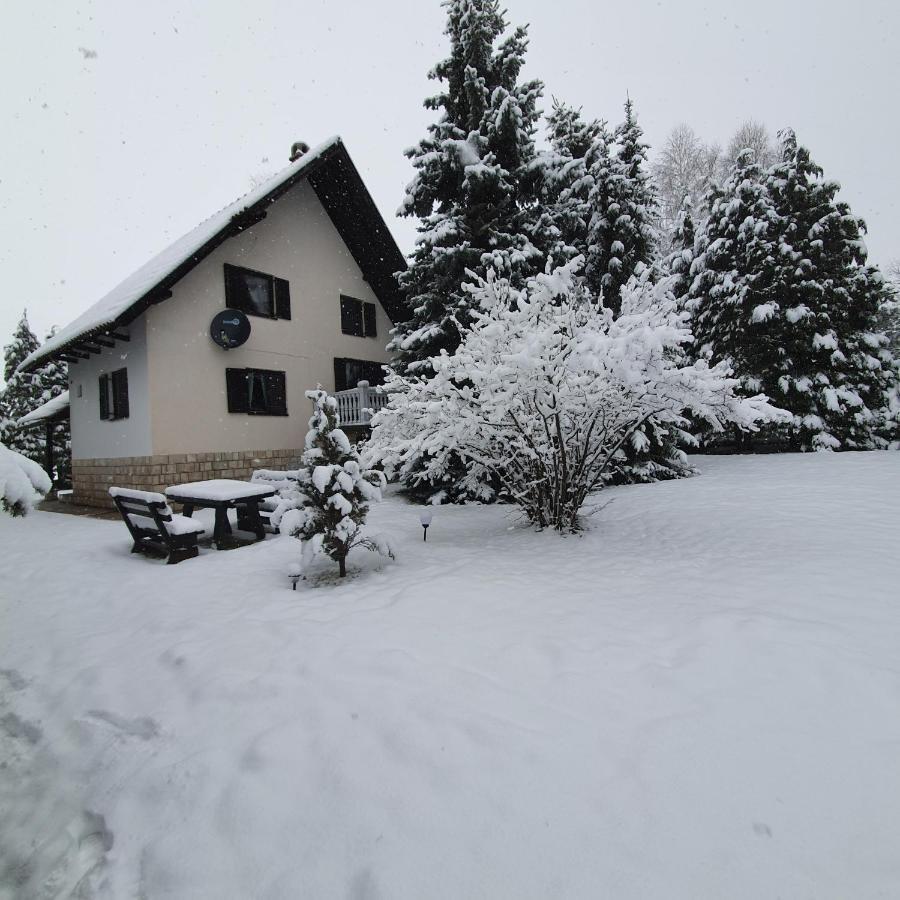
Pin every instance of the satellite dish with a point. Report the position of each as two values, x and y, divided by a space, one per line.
229 328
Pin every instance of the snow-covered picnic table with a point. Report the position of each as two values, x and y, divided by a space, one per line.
222 494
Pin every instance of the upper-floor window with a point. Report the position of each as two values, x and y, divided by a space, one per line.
257 293
357 317
114 395
261 392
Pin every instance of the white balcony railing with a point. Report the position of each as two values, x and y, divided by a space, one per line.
356 406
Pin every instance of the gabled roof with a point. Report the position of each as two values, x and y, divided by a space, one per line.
332 175
54 410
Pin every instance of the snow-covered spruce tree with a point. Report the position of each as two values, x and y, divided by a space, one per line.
547 386
337 491
562 183
22 482
621 239
468 187
678 263
784 294
54 380
22 393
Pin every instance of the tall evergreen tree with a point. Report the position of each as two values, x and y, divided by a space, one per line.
563 183
468 187
785 294
22 393
621 240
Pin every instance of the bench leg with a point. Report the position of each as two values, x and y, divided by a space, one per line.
183 553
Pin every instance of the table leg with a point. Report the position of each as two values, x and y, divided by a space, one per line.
221 526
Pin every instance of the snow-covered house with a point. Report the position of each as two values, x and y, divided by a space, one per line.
308 260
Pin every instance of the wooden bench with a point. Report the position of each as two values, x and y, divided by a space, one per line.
154 527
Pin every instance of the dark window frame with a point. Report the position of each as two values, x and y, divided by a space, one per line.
279 293
243 386
358 317
113 387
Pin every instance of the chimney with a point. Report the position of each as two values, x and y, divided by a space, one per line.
298 148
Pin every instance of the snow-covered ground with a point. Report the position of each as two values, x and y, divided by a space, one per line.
699 698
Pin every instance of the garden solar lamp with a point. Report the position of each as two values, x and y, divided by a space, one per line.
425 519
295 573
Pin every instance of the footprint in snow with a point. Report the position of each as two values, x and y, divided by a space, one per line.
143 728
14 679
21 729
762 829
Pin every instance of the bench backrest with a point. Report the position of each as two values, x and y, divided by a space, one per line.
142 505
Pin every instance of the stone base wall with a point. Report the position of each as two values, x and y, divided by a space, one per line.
92 478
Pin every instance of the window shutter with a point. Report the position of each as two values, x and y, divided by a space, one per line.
236 388
352 316
120 393
340 374
104 396
276 390
374 373
234 288
369 312
282 298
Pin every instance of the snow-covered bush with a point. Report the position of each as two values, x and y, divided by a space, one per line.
337 491
22 482
545 389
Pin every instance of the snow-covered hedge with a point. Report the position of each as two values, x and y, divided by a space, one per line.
546 388
22 482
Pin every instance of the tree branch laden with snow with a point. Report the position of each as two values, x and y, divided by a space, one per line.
22 482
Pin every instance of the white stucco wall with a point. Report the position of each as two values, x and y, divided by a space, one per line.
93 437
188 402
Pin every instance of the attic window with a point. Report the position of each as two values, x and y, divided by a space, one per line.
357 317
256 293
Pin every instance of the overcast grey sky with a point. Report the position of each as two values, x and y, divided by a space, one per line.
127 123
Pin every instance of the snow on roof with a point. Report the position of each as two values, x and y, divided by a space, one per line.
106 310
46 410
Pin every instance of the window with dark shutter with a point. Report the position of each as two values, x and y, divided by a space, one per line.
257 293
104 396
120 394
260 392
357 317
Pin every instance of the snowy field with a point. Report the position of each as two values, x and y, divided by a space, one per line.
700 698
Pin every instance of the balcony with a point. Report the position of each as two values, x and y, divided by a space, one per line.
356 406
